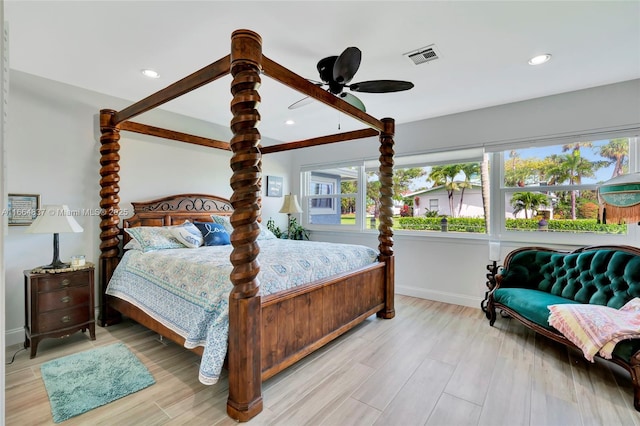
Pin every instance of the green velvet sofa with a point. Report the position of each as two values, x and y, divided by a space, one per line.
533 278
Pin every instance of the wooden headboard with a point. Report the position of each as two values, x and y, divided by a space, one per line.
175 209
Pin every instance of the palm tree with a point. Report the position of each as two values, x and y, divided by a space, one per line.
573 147
444 175
572 167
528 201
484 180
469 170
617 151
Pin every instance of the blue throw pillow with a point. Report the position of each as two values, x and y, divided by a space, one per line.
213 233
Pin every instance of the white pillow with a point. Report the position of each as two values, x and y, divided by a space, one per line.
188 234
133 244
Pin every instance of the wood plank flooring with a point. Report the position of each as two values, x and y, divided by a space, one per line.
434 364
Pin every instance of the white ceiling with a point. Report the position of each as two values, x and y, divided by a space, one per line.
484 47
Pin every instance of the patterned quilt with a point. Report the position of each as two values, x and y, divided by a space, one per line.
187 289
595 328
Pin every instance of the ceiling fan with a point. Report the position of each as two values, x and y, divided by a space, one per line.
336 72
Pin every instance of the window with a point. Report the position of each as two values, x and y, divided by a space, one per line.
553 188
331 196
543 191
323 185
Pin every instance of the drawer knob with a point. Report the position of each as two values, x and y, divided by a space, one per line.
65 299
65 318
65 282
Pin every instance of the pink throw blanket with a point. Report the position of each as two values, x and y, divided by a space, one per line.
596 328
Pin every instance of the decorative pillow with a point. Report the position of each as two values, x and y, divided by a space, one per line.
214 234
265 234
154 237
188 234
224 221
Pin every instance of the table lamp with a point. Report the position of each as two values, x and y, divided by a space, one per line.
54 220
289 206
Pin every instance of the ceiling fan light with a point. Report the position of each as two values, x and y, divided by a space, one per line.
540 59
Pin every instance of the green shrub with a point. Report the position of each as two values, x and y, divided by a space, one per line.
477 225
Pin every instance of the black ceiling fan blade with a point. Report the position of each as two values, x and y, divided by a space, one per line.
347 65
381 86
353 100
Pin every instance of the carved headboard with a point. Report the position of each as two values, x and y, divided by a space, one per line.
175 209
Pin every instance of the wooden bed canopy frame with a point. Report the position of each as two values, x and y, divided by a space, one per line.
266 334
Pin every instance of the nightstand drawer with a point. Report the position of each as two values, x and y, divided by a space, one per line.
56 320
57 281
61 299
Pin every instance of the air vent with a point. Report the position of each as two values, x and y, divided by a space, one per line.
423 55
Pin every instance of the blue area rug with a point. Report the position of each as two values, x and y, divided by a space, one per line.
81 382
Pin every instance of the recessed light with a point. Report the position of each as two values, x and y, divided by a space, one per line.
150 73
289 122
540 59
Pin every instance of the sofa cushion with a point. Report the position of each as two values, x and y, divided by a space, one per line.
531 304
626 348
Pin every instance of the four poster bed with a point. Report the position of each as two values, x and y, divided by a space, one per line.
267 332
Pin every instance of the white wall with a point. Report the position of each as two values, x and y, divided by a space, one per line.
53 150
453 270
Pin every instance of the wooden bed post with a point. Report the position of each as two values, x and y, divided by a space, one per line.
385 237
109 206
244 354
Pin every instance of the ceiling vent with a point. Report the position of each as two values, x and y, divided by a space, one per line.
423 55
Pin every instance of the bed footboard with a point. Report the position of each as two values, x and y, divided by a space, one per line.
301 320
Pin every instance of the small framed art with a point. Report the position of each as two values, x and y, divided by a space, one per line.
274 186
22 209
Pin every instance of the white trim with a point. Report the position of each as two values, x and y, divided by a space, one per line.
440 296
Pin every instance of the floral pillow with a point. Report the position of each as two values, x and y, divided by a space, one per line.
188 234
154 237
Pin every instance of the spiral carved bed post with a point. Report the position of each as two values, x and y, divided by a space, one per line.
385 238
109 205
245 375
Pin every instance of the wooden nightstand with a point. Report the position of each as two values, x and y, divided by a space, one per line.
58 304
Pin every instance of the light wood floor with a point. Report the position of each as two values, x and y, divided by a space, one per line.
434 364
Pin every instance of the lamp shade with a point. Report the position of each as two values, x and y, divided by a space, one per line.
54 219
620 197
290 205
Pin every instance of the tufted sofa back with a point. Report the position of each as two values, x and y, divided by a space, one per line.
602 276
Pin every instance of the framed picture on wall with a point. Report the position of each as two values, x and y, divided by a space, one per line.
274 186
22 209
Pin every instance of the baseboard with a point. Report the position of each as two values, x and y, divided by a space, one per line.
14 337
439 296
